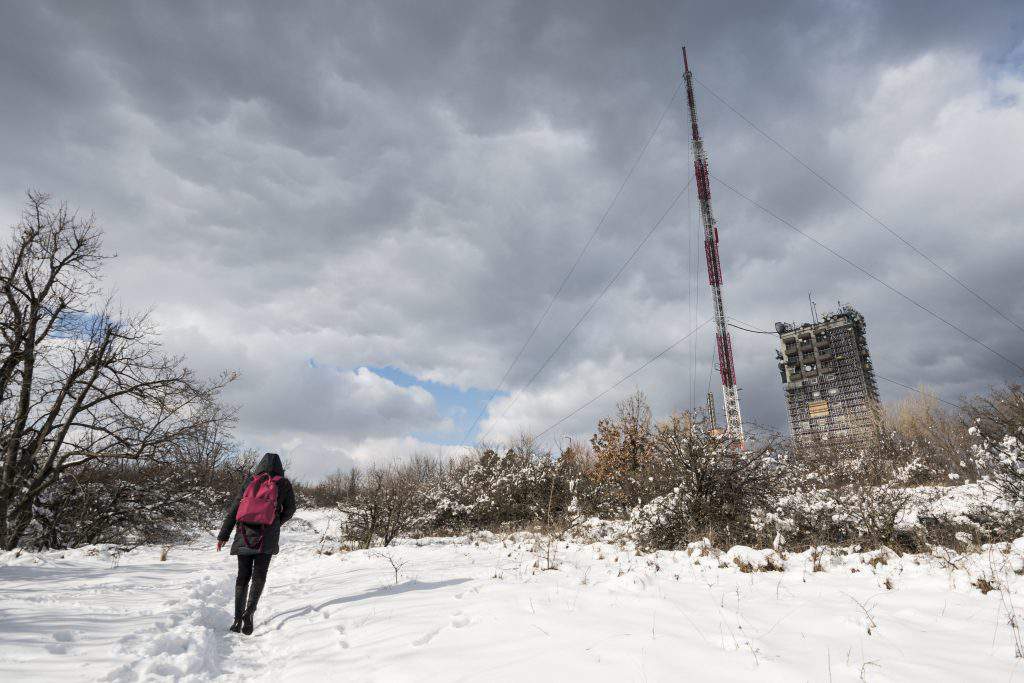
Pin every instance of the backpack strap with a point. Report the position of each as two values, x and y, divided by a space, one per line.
278 506
245 538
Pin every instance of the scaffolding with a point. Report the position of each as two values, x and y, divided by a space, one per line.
829 380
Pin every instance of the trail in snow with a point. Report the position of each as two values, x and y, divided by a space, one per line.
486 610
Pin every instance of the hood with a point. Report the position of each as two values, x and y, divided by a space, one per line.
271 464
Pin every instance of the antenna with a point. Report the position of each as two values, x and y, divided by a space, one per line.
726 365
814 309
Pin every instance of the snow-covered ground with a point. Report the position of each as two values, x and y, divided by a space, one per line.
487 609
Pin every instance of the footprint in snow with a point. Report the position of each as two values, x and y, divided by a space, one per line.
62 642
459 620
462 594
342 640
426 637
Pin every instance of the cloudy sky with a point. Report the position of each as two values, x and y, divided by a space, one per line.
366 207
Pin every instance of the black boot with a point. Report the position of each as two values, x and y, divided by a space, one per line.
250 609
255 591
240 592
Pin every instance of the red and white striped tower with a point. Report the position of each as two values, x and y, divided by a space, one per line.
733 420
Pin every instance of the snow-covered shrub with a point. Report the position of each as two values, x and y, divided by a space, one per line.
702 548
508 488
492 487
576 491
750 560
717 491
873 494
998 430
838 495
963 516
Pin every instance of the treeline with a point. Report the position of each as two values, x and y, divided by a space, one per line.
677 481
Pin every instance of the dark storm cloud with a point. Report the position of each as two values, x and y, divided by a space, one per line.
405 184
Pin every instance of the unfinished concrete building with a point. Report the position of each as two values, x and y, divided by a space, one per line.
830 384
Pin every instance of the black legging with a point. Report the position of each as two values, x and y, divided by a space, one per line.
252 567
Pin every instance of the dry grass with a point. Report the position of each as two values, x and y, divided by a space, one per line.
985 585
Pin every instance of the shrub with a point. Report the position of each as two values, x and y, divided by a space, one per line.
387 501
130 502
838 495
331 491
998 432
717 488
937 436
492 488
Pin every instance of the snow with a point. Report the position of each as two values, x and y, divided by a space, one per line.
751 560
488 608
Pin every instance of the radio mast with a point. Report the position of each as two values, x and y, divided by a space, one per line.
730 391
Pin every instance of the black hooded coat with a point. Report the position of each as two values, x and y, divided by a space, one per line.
271 464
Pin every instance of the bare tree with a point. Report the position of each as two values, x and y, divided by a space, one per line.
79 383
333 490
387 502
627 464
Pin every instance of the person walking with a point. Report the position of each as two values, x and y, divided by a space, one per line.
265 503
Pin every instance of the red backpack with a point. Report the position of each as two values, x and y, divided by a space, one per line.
259 504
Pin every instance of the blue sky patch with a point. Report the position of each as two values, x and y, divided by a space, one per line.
461 406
